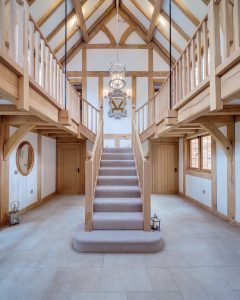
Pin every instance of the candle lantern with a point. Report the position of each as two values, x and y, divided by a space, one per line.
155 223
14 213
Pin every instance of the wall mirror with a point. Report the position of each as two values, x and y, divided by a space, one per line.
25 158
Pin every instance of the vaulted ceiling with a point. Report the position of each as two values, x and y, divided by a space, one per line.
87 18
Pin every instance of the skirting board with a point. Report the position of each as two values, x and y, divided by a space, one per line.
38 203
209 209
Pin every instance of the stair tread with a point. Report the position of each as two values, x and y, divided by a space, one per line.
118 187
118 200
137 236
119 168
118 176
118 216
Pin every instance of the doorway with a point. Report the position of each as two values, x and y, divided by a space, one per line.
165 168
71 168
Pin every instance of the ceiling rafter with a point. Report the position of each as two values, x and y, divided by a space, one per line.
186 12
49 12
60 26
160 29
154 19
142 31
109 35
126 34
93 30
80 19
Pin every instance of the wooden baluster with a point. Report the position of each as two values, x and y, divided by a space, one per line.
184 75
236 18
96 121
205 48
51 74
31 49
47 69
199 56
142 119
225 29
36 46
42 45
176 75
87 112
188 71
54 78
60 88
139 122
2 24
20 35
193 48
88 194
91 118
12 29
57 83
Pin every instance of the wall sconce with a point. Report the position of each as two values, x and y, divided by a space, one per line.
105 94
129 94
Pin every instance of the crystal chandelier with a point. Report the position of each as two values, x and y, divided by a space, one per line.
117 70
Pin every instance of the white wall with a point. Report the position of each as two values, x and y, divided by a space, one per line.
24 188
199 189
48 166
180 166
237 170
221 172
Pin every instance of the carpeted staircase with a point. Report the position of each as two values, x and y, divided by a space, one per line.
117 209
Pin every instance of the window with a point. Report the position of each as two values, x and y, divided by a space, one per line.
194 153
206 152
200 153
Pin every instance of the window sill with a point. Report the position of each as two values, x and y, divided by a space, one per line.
199 173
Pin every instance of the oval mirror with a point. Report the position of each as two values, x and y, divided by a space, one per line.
25 158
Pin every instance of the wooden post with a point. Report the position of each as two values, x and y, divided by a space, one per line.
147 189
4 175
150 85
100 91
39 168
2 24
88 193
23 101
215 56
236 17
230 174
84 70
213 175
134 97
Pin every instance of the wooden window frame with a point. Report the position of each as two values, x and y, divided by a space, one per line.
200 169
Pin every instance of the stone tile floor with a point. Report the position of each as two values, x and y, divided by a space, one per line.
200 259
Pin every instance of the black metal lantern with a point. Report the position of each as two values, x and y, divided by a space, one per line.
155 223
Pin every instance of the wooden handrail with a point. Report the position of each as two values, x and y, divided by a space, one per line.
144 175
91 173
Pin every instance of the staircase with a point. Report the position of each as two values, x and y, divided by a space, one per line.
117 219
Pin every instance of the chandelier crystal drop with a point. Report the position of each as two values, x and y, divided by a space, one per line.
117 70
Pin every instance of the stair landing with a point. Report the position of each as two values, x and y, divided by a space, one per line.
117 210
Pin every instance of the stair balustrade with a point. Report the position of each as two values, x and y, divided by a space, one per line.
217 36
91 173
90 115
144 175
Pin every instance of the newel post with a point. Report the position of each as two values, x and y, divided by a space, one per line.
147 190
88 192
215 55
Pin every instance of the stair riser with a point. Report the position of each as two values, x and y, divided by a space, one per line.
117 208
117 194
117 172
117 150
118 181
117 225
117 156
114 164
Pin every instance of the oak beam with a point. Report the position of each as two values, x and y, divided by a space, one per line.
15 139
49 12
154 19
80 19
